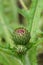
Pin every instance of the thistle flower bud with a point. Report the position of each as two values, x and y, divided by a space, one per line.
21 36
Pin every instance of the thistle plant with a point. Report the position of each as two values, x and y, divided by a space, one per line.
21 32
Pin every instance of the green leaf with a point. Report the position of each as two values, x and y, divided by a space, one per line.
8 59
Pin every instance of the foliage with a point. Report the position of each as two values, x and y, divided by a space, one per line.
31 17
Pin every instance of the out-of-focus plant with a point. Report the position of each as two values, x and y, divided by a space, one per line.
21 32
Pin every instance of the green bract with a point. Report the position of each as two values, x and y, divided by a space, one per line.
21 36
21 49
